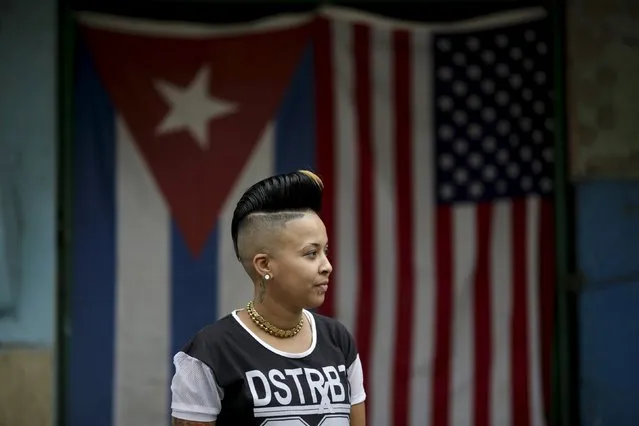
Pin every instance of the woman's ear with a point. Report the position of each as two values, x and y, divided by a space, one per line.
261 264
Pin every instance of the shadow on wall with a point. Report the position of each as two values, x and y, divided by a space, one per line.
11 232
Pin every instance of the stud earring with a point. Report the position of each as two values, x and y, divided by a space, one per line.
267 277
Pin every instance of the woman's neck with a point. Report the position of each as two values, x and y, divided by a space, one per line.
276 313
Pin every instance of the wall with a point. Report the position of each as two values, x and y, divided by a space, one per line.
608 258
603 50
603 54
27 147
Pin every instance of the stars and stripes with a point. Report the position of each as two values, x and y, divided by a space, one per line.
438 158
493 115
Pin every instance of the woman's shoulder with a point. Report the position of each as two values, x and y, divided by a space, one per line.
328 323
216 328
210 338
337 333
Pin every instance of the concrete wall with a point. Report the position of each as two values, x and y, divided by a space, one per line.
27 148
27 387
603 54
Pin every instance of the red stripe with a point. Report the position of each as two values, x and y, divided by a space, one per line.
405 276
443 315
546 295
483 314
325 138
365 204
519 328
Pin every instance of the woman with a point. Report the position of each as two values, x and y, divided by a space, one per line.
274 363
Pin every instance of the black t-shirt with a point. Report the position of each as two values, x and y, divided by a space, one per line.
229 375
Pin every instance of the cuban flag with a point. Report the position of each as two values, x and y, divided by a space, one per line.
435 145
173 123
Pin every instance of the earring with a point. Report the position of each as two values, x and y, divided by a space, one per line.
267 277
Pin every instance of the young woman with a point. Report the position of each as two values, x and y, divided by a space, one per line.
274 363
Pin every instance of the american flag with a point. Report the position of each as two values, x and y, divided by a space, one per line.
435 146
438 169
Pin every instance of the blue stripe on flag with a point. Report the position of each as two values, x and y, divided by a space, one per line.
194 284
295 126
89 396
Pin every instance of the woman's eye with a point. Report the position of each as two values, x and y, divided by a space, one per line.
311 254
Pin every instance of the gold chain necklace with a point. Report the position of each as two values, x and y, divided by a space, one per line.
270 328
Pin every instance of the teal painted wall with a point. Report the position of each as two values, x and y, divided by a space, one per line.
27 152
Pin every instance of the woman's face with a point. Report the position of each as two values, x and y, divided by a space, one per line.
300 265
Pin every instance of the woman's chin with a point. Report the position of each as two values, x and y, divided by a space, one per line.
316 300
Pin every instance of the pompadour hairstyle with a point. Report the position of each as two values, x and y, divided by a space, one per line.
298 191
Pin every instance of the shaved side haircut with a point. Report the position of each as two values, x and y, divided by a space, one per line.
265 208
258 231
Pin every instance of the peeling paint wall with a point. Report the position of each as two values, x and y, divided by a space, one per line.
603 88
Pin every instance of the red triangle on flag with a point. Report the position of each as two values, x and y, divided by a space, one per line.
196 107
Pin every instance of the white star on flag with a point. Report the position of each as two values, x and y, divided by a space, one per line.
192 107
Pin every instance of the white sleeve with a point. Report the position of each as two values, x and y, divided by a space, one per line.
356 380
195 395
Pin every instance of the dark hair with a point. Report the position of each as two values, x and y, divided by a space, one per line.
289 192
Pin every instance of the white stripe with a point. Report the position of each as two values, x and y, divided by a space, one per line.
285 21
301 410
423 336
385 229
235 288
142 322
464 259
176 29
290 417
346 190
317 408
502 311
486 22
534 344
